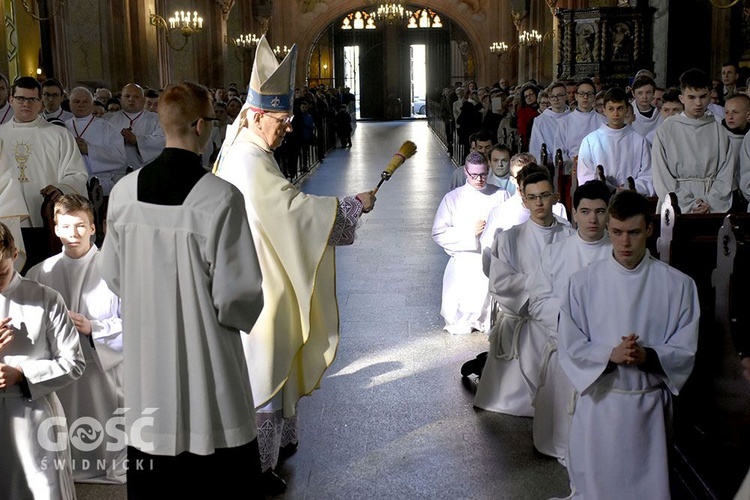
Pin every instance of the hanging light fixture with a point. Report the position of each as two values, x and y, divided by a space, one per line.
186 23
243 45
391 12
529 38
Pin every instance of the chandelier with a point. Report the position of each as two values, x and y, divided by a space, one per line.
499 48
391 12
242 44
188 24
281 52
529 38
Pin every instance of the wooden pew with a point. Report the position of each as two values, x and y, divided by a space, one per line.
709 456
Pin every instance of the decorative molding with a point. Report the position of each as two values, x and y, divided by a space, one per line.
226 7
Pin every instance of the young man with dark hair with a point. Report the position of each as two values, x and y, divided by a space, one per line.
44 158
547 291
511 375
95 311
626 363
670 106
647 117
729 76
545 126
53 94
481 142
618 148
578 123
691 155
459 222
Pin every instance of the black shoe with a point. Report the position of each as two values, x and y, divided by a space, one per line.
287 451
470 383
474 366
272 484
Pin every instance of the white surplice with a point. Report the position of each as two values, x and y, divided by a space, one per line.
605 302
185 300
458 178
510 213
571 130
511 374
505 183
148 132
60 114
543 131
546 294
735 144
644 124
465 303
45 346
692 158
744 163
106 149
622 152
98 393
13 213
40 154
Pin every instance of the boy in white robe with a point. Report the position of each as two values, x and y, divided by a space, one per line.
647 116
481 142
578 123
670 106
459 221
618 148
511 374
691 155
95 311
39 354
546 294
545 126
628 335
735 125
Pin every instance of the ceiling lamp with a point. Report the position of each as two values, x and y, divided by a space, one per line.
529 38
391 12
186 23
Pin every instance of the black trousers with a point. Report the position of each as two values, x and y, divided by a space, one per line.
194 476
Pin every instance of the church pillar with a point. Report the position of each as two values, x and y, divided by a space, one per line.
211 51
29 41
660 36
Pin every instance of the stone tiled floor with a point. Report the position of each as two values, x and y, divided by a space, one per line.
391 419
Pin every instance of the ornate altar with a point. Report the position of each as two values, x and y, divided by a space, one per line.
612 42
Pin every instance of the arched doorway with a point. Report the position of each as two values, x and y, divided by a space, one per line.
384 59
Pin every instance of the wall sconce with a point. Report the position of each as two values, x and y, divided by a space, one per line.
281 53
242 45
188 24
499 48
529 38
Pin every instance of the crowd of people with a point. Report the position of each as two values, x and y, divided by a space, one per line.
583 363
181 348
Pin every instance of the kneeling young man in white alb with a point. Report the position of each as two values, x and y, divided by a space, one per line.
510 375
628 335
95 311
547 291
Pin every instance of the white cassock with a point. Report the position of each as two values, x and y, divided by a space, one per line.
510 213
644 124
106 157
606 302
555 393
511 374
622 152
505 183
692 158
150 136
98 393
544 131
744 162
40 154
571 130
45 346
735 143
6 113
60 114
465 303
716 111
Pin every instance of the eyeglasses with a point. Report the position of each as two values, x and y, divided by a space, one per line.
284 121
554 97
544 197
22 99
47 94
587 95
477 176
206 119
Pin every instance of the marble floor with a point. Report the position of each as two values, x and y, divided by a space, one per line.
392 419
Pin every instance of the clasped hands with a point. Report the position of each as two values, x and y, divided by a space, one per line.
9 375
628 352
